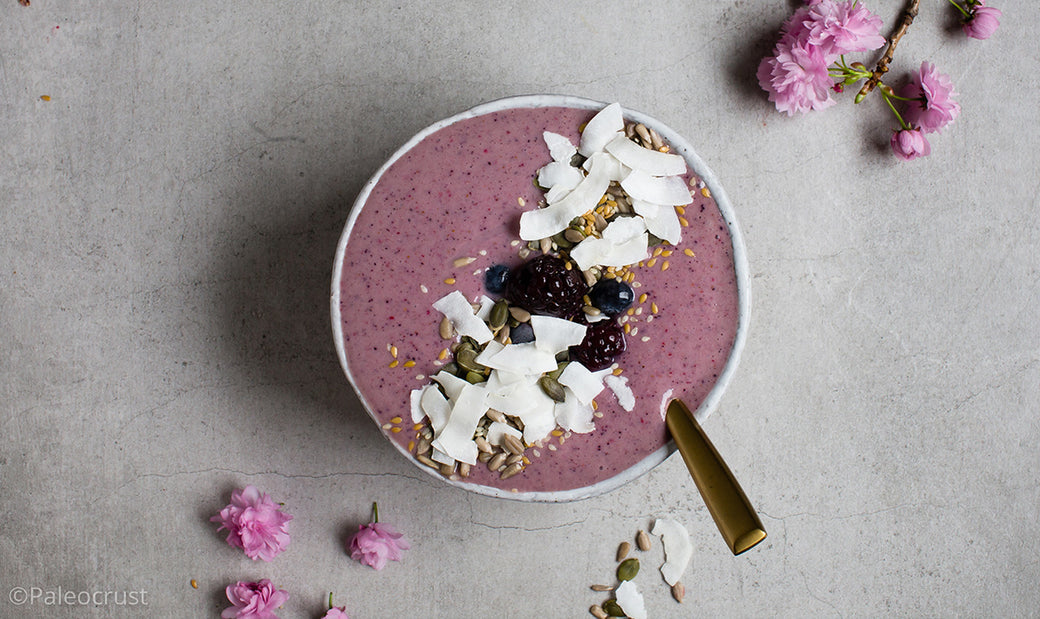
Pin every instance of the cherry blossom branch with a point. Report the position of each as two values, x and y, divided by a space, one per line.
886 58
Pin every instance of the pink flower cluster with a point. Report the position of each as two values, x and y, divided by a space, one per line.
255 524
797 75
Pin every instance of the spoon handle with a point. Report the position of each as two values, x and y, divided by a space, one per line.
726 501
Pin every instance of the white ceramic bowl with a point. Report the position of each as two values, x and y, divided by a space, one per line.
679 145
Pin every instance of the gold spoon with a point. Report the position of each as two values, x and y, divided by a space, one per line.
726 501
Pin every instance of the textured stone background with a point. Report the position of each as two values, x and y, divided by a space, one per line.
169 219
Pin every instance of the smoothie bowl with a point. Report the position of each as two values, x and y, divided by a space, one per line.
521 289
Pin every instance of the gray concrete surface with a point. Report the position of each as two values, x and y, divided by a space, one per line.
169 218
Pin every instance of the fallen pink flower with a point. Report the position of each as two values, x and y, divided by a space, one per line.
910 144
933 106
254 600
982 20
376 543
336 613
255 524
843 27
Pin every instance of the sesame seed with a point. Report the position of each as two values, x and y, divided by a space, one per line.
461 262
685 224
450 281
645 338
387 426
680 210
705 192
666 253
393 351
409 364
411 446
396 420
653 307
394 363
651 262
664 266
643 297
443 354
520 200
688 252
423 288
395 429
617 371
628 328
420 377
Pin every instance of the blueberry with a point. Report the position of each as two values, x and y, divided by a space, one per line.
521 333
495 278
611 296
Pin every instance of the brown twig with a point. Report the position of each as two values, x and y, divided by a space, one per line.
893 41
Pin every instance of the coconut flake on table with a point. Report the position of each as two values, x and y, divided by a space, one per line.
601 129
544 222
677 548
670 190
459 312
630 600
619 385
585 384
652 162
554 335
456 437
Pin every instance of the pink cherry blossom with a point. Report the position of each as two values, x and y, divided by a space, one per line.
255 524
843 27
796 77
336 613
933 106
910 144
376 543
982 20
253 600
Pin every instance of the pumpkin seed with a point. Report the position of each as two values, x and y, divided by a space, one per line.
622 551
499 314
560 240
475 378
612 609
559 370
467 360
552 388
628 569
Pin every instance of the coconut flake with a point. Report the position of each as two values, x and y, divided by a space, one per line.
677 548
573 415
490 350
560 147
486 303
440 457
604 252
456 437
452 384
661 221
545 222
497 430
415 404
669 190
601 129
585 384
555 335
619 385
436 407
456 307
654 163
539 421
561 176
630 600
524 358
624 229
614 169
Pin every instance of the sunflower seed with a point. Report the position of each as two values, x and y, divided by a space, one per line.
464 469
428 462
596 611
643 540
545 245
484 456
511 470
643 133
447 331
601 588
497 461
622 551
495 415
447 469
512 444
423 446
502 337
520 314
574 236
678 592
483 445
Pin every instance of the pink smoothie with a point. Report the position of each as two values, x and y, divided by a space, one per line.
457 194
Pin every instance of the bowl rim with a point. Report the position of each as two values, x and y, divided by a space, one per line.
740 262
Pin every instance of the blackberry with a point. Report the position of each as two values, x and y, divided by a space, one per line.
544 285
611 296
603 342
495 278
